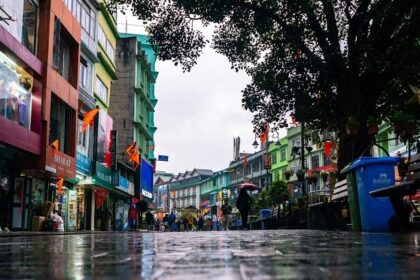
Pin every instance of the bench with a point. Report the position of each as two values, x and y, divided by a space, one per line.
397 192
327 215
340 191
319 197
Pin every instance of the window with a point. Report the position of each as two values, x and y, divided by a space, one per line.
23 24
61 123
87 21
315 161
101 90
61 55
283 154
256 165
276 176
30 25
83 140
106 45
274 158
214 182
84 76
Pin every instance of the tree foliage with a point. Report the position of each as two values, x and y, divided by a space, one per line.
321 60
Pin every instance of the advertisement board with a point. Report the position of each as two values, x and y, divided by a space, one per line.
146 179
103 147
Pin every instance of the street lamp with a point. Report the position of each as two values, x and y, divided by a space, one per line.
255 144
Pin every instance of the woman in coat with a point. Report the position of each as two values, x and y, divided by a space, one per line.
243 203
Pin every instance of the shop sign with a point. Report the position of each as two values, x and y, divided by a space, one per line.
123 184
146 179
60 164
83 163
102 176
224 193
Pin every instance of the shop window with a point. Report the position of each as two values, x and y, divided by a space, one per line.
20 18
62 125
16 87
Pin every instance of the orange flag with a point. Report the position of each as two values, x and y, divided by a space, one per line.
55 145
130 150
88 118
245 160
60 184
135 157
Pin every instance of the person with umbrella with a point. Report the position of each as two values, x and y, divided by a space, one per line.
243 203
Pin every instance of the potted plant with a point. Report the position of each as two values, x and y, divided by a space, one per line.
300 175
352 126
311 179
324 176
372 125
288 173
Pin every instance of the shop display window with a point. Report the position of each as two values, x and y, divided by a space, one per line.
16 87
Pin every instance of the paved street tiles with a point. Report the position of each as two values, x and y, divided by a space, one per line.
282 254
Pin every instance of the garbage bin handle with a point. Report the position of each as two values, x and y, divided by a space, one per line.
374 144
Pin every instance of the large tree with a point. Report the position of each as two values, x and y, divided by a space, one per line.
321 60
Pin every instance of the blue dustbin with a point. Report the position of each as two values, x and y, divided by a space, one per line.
373 173
265 213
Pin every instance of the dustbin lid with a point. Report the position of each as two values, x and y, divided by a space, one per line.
345 169
363 161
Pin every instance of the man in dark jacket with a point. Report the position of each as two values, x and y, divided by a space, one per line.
149 221
243 203
226 210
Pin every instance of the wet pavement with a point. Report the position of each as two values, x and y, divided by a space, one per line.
281 254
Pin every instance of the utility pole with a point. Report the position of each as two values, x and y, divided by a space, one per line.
302 151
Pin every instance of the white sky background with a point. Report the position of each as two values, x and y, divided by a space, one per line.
199 112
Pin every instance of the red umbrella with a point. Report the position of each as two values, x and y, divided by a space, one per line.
248 186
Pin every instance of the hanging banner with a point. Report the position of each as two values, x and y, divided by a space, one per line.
100 195
103 147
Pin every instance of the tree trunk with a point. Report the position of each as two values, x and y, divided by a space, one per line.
352 147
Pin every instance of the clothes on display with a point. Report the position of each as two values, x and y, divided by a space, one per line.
15 92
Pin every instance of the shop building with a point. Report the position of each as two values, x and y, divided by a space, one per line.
279 159
214 191
38 39
132 108
186 188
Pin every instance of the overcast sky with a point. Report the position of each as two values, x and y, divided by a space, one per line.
198 113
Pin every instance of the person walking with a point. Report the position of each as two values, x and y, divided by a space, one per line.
243 203
214 222
149 221
227 211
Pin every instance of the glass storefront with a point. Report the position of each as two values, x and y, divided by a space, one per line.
16 87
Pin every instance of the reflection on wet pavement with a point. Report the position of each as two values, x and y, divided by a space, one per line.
283 254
